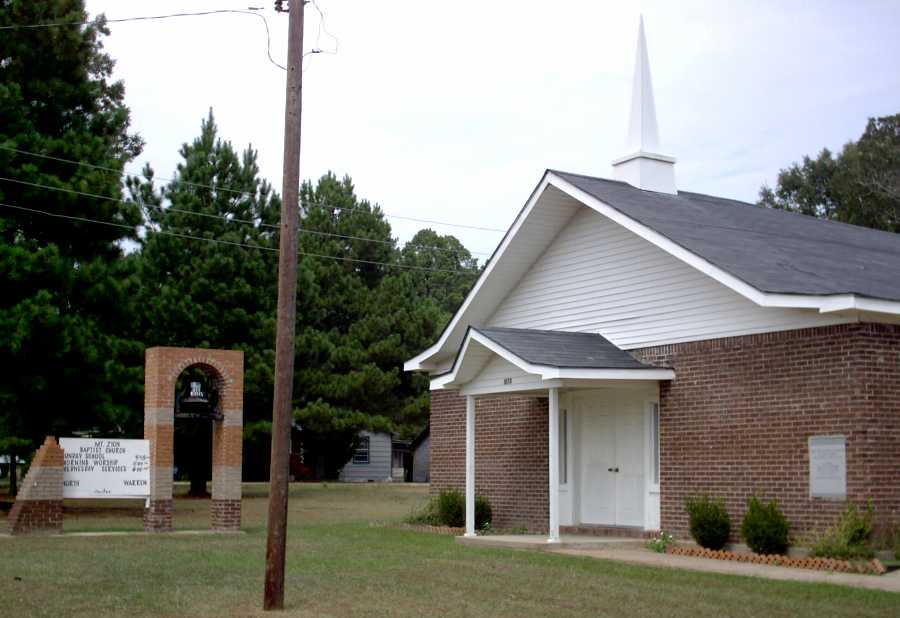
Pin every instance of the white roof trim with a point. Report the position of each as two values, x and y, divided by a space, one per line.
448 380
823 303
420 361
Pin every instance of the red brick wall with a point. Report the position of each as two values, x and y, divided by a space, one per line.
734 421
737 417
510 455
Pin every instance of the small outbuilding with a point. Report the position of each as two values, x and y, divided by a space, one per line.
421 457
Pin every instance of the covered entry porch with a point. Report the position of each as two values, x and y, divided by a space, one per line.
602 418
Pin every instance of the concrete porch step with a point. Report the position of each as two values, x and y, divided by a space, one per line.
620 532
540 542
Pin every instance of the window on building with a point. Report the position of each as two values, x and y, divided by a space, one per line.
654 443
563 447
361 454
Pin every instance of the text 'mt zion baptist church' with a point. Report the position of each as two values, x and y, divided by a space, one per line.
630 344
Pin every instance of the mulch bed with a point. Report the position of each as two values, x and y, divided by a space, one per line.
869 567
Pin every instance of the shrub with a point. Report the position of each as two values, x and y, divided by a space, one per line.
483 513
765 528
427 515
849 538
451 508
709 521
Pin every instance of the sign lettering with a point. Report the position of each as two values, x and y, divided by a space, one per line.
105 468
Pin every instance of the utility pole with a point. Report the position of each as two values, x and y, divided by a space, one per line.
287 310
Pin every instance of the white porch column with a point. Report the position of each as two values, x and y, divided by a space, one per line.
470 465
553 434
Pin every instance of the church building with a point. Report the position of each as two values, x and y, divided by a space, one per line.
630 344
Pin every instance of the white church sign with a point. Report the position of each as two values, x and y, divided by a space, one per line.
105 468
827 467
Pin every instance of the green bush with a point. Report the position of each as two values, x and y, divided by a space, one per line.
451 508
849 538
709 521
425 516
483 513
765 528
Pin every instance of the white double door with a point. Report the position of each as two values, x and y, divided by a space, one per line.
612 458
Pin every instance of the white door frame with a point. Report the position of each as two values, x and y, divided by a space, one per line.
575 403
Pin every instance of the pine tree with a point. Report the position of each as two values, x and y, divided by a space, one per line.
65 362
199 293
369 314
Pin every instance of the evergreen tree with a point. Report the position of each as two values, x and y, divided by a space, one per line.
371 313
64 303
199 293
338 388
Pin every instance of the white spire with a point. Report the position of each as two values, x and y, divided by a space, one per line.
643 166
643 133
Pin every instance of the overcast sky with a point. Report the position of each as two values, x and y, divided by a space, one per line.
452 110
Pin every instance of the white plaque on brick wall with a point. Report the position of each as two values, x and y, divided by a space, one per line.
827 467
105 468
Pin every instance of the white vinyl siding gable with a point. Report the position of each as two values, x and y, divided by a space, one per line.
498 373
598 277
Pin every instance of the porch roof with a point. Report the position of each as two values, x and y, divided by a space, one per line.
553 348
545 359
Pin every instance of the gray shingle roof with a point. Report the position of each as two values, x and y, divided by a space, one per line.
553 348
772 250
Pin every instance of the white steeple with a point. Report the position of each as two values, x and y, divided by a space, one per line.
643 166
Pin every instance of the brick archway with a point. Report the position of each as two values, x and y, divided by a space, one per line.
161 370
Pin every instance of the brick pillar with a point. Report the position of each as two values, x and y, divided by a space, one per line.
39 505
159 429
226 472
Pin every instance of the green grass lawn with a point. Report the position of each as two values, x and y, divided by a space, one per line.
340 565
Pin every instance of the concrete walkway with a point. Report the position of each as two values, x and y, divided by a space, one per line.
634 552
539 542
889 582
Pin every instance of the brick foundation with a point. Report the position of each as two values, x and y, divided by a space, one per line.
39 505
158 516
735 421
226 515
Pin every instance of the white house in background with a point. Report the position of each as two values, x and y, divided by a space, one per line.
378 457
371 460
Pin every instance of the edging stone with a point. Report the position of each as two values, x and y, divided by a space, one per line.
870 567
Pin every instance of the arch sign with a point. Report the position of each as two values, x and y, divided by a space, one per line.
105 468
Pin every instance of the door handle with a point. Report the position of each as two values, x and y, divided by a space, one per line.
612 469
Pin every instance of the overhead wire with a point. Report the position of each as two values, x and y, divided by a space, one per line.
173 209
247 193
239 244
94 22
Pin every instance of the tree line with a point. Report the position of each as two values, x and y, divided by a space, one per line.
190 261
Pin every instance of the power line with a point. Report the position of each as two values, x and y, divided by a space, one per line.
322 28
172 209
240 244
246 193
95 22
